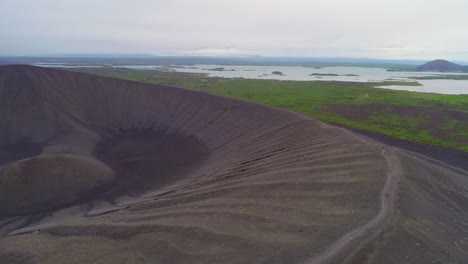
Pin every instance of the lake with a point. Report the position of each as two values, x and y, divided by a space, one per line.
296 73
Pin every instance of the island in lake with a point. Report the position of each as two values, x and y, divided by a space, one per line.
332 74
219 69
278 73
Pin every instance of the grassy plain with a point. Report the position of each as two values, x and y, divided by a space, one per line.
434 119
442 77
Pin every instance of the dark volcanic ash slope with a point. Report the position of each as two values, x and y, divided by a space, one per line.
99 170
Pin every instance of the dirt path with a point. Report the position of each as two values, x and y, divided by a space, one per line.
387 204
371 228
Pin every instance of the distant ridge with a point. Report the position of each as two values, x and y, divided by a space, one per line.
100 59
440 66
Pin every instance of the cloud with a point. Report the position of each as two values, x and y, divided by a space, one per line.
220 52
351 28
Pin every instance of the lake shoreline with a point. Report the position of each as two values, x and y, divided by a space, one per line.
297 73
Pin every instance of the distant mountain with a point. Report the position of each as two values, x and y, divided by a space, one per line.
142 59
440 66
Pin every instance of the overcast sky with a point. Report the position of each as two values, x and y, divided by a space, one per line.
389 29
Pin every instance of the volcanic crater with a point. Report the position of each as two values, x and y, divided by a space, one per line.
101 170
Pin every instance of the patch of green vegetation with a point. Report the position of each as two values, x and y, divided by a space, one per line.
277 73
312 98
391 120
451 124
400 83
457 127
404 127
332 74
323 74
441 77
219 69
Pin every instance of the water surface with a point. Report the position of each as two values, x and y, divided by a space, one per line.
296 73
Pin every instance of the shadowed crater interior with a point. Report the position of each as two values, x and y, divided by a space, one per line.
144 159
21 149
68 138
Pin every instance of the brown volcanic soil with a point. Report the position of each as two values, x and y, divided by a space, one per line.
198 179
49 181
430 224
